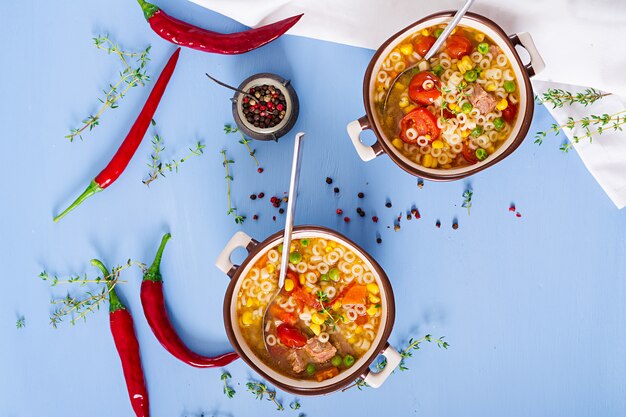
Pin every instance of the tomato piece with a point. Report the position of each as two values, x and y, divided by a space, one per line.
418 94
306 298
421 120
283 315
361 320
448 114
510 112
468 154
290 336
458 46
424 43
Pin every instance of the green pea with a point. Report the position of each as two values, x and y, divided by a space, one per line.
481 154
310 369
324 277
509 86
483 48
477 131
438 32
466 108
498 123
304 242
295 257
336 360
470 76
348 360
438 70
280 247
334 274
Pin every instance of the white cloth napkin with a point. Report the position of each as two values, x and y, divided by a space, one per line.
581 42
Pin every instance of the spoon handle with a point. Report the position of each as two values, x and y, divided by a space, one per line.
446 32
291 207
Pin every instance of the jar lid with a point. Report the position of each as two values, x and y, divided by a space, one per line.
246 120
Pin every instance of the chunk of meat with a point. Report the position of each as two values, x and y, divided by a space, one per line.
297 360
494 50
341 343
319 351
482 100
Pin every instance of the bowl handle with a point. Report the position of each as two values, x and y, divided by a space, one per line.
524 40
367 153
239 240
376 379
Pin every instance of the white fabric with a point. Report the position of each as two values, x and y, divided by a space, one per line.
605 157
581 41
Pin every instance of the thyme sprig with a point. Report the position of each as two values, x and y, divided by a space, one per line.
260 390
21 322
244 141
558 97
295 405
77 307
132 75
359 383
591 125
331 318
239 219
158 168
228 391
467 200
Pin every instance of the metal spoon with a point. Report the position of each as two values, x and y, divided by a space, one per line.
291 207
433 49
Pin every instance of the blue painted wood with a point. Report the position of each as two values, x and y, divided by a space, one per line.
532 306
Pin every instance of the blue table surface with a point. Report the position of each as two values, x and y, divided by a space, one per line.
533 307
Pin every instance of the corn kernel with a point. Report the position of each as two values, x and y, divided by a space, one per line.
491 150
252 303
446 166
317 318
270 268
403 102
427 137
372 310
374 299
437 144
358 330
380 88
410 108
427 160
315 328
332 244
490 86
373 288
465 64
425 32
406 49
434 163
397 143
465 133
452 106
399 86
502 104
246 318
352 340
328 249
302 279
337 305
479 37
289 284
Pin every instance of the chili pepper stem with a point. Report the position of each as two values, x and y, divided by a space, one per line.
92 189
154 273
149 9
114 301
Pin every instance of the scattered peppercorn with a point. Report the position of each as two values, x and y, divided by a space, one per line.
415 212
375 219
336 190
329 180
396 227
252 196
455 225
388 204
255 217
512 208
420 183
438 224
274 218
269 108
379 240
259 170
518 214
346 219
261 195
281 211
360 195
285 199
362 213
408 216
339 211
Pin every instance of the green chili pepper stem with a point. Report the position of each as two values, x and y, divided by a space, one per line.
149 9
154 273
114 301
92 189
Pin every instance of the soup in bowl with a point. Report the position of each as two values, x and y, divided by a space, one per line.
327 325
464 110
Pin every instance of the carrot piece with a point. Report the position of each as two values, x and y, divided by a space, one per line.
355 295
262 261
326 374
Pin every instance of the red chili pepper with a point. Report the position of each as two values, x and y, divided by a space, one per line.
185 34
123 332
153 304
133 139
